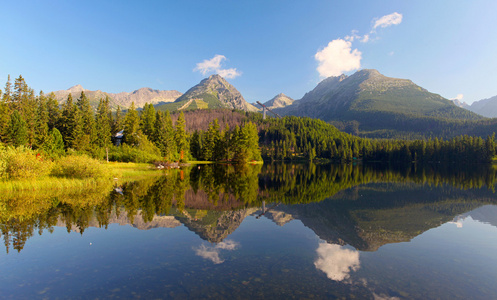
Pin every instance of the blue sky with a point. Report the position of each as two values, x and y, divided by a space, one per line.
264 47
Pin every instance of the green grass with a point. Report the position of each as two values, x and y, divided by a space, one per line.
132 171
121 172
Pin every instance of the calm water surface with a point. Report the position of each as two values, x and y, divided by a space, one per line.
273 231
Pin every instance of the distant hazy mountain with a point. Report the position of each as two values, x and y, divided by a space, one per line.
212 92
379 106
124 99
460 104
280 100
485 107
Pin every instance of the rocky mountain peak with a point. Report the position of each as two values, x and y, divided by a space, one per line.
280 100
76 89
215 89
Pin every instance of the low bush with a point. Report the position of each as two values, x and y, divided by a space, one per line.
146 152
23 163
80 167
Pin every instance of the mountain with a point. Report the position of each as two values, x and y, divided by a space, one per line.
280 100
485 107
374 105
460 104
124 99
212 92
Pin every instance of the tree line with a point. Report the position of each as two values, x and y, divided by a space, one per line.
293 138
39 122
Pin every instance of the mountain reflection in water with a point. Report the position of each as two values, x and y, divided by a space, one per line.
273 231
365 206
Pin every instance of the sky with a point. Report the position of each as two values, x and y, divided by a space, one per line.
263 48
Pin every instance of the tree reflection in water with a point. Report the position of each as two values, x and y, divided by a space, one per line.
213 200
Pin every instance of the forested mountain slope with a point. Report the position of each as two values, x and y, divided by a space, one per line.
212 92
370 104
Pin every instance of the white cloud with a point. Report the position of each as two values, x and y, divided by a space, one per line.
212 252
459 97
336 262
214 65
337 58
210 65
388 20
353 35
229 73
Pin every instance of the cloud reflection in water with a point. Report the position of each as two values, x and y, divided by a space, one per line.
212 252
336 261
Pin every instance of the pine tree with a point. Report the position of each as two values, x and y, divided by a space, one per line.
159 136
171 150
147 120
132 126
4 120
196 145
117 125
80 139
87 118
102 124
181 137
68 121
54 146
53 111
212 138
42 119
17 131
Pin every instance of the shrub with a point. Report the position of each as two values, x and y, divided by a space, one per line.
80 167
145 152
23 163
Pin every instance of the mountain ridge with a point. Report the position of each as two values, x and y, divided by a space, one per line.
278 101
377 105
122 99
211 92
485 107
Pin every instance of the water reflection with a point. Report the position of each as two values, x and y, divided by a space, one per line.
365 206
336 261
212 252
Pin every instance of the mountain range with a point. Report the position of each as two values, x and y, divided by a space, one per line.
370 104
123 99
485 107
365 103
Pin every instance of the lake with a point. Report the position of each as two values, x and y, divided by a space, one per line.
277 231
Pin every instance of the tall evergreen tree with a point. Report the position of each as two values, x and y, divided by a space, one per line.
147 120
80 139
196 145
68 121
4 118
117 125
87 118
212 140
24 101
131 126
42 119
54 145
17 131
169 142
181 137
53 111
102 124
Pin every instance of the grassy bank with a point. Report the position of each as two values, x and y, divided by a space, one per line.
112 172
